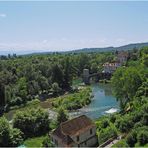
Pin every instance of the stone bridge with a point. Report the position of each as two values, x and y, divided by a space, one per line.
99 76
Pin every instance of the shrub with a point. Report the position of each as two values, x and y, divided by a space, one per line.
145 119
16 137
136 116
121 143
105 123
137 125
62 116
124 124
9 137
142 137
32 122
113 118
106 134
47 142
131 139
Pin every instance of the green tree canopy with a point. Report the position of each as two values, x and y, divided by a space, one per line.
32 122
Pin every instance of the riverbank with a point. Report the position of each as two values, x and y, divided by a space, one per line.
101 102
74 101
83 99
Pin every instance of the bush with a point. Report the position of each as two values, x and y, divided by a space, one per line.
9 137
32 122
142 137
131 139
121 143
145 119
137 125
105 123
106 134
47 142
62 116
113 118
74 101
124 124
16 137
136 116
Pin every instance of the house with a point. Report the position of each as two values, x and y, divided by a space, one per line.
77 132
122 56
111 67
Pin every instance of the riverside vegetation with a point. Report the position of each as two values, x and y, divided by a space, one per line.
74 101
25 78
130 84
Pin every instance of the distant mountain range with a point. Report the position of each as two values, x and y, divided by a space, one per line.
105 49
87 50
125 48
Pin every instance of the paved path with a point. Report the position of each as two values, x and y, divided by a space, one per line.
52 114
113 142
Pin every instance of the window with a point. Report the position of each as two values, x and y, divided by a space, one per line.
56 142
90 131
77 138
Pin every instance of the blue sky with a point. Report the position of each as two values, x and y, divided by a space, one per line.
49 26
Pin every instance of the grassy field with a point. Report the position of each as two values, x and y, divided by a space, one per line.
34 142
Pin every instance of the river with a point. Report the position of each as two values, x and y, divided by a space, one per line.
102 103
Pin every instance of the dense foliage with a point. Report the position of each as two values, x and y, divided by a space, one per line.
32 122
130 85
62 116
105 130
75 100
24 78
127 80
9 136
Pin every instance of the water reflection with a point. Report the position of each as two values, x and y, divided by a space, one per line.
102 101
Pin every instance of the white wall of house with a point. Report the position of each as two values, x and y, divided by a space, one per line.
87 138
84 136
91 142
111 67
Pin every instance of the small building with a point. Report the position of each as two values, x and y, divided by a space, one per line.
111 67
77 132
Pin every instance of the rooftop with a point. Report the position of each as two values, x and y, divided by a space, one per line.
73 127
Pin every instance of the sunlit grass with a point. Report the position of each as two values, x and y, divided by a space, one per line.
34 142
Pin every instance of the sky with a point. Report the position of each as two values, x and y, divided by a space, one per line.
36 26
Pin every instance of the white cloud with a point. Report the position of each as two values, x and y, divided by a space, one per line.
3 15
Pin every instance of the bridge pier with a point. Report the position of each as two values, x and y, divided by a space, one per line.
86 76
